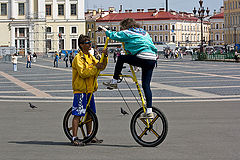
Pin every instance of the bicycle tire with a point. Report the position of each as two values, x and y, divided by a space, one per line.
67 126
154 138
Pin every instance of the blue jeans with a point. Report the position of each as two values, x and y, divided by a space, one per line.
147 69
28 64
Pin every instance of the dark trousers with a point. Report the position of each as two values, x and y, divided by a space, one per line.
147 69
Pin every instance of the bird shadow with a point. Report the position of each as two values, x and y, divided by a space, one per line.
52 143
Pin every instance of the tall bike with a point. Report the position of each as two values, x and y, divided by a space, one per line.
146 132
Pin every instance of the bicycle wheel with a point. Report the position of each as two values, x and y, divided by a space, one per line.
152 136
82 131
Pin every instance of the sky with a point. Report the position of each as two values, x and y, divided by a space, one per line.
177 5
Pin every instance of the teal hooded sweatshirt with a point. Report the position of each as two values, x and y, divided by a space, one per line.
136 40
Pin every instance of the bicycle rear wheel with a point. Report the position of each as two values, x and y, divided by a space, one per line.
154 134
82 132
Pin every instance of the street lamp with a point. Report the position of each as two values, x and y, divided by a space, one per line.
201 15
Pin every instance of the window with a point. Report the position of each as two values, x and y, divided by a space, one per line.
166 27
73 9
173 38
155 38
61 44
216 26
155 28
149 28
61 10
144 28
217 37
98 39
104 39
48 10
161 28
160 38
93 27
3 9
173 27
22 43
21 32
49 44
92 36
21 10
61 30
166 38
74 43
49 30
74 29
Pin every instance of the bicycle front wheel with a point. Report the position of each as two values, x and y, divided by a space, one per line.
82 130
154 134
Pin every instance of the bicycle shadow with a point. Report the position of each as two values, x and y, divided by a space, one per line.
53 143
48 143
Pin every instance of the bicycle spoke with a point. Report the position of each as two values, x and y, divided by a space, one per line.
154 120
155 133
143 133
143 120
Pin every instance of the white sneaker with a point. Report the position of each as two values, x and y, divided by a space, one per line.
112 84
147 115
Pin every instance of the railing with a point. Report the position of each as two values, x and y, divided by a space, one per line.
213 56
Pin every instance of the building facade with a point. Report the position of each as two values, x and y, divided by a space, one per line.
217 29
91 16
41 26
232 22
180 28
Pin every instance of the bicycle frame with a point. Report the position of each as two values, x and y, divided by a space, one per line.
133 77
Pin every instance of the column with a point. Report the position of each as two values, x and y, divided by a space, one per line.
80 9
67 9
31 40
14 10
30 9
41 9
12 35
54 9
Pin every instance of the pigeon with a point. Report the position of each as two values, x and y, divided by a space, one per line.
123 112
32 106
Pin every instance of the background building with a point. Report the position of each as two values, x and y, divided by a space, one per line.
217 28
180 28
41 26
232 22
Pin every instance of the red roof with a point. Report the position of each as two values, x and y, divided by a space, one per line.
139 16
218 16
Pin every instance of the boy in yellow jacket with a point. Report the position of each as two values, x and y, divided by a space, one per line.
84 82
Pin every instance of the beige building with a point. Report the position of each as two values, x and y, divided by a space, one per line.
232 21
41 26
91 16
180 28
217 29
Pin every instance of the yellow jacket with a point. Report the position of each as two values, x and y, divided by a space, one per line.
84 73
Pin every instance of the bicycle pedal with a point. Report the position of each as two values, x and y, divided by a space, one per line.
110 88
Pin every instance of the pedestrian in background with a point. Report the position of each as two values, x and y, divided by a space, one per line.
56 58
34 57
66 58
71 58
28 60
14 61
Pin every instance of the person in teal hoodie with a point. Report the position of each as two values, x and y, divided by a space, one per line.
140 51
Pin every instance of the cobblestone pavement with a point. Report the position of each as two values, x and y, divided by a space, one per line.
174 80
199 99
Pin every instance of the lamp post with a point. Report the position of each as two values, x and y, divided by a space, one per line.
235 37
201 15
